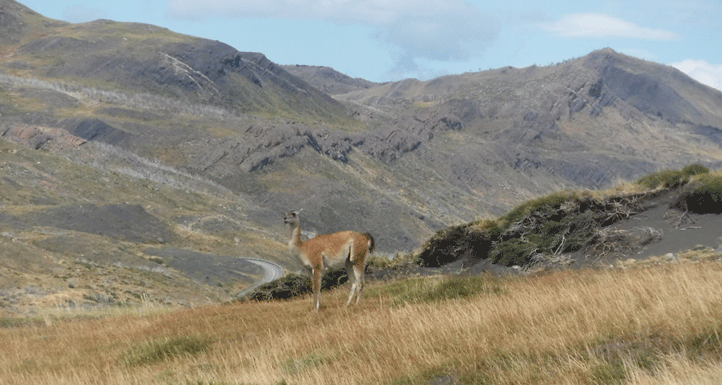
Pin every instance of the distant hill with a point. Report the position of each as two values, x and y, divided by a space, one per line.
218 143
133 57
328 80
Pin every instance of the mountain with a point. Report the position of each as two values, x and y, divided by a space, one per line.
150 126
328 80
140 58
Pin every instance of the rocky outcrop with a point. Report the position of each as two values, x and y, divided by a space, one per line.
41 137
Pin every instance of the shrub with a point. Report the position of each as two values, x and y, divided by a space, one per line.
705 196
157 351
376 263
695 169
553 200
671 178
664 178
512 252
295 285
455 243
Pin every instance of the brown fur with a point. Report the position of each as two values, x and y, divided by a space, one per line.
345 248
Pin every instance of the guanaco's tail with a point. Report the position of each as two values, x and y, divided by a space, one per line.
371 241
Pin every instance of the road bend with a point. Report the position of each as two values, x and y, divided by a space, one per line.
271 271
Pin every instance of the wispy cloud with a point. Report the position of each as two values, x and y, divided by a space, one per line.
591 25
702 71
81 14
436 30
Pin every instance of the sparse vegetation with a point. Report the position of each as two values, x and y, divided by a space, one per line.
671 178
705 194
558 223
295 285
566 221
166 349
426 290
307 362
589 326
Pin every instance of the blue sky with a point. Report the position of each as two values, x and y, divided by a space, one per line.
383 40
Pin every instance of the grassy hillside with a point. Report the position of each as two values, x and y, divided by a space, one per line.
631 223
647 325
86 232
105 318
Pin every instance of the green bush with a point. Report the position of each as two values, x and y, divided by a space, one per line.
157 351
553 200
710 185
695 169
455 243
491 227
671 178
561 222
512 252
664 178
705 196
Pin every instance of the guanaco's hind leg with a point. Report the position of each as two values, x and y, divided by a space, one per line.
360 283
356 276
316 286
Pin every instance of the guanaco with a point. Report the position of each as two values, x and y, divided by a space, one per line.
347 248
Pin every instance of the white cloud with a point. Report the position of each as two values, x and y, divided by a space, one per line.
436 30
600 25
702 71
81 14
340 11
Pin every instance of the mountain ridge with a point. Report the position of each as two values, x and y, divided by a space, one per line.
145 58
184 122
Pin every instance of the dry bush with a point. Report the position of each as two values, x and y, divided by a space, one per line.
610 240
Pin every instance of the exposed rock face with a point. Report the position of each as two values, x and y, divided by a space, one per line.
41 137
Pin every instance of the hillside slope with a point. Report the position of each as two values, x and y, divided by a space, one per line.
328 80
142 58
244 140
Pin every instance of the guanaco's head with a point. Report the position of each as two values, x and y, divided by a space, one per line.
291 218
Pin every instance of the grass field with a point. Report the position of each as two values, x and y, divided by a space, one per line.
656 324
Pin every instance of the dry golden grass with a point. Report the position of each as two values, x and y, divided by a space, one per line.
647 325
679 370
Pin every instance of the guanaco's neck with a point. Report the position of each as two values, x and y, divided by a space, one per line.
295 242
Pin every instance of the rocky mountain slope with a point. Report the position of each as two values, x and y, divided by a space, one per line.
216 143
328 80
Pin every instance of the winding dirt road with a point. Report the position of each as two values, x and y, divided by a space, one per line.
271 271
